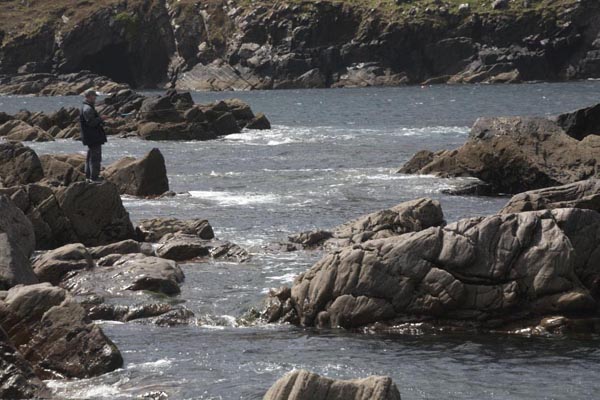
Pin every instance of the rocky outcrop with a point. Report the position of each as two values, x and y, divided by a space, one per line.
95 212
51 332
144 177
584 194
19 165
411 216
17 379
304 385
17 243
500 273
172 116
48 84
515 154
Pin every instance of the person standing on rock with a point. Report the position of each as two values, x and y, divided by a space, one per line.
92 135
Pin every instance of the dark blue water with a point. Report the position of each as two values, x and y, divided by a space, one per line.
331 157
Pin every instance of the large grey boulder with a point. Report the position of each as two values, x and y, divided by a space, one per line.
96 213
503 271
583 194
17 243
304 385
144 177
51 332
515 154
410 216
19 165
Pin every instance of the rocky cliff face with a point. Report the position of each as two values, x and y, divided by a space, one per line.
218 45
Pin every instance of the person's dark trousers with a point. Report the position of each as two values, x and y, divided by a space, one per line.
93 162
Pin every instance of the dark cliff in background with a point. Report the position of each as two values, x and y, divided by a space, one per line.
217 45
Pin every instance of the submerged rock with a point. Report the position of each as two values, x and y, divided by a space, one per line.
494 273
515 154
144 177
411 216
152 230
583 194
305 385
50 330
182 247
160 314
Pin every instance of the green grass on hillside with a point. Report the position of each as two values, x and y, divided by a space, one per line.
26 17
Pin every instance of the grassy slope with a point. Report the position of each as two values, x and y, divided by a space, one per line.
25 17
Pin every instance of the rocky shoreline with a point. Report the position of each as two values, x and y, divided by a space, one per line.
236 45
71 254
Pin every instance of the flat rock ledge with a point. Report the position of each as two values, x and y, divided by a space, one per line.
583 194
305 385
503 273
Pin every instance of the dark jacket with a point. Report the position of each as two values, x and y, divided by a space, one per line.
92 132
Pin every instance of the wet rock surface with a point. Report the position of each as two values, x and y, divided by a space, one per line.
500 273
514 154
17 378
305 385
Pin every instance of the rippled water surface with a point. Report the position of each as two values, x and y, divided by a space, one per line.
331 157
